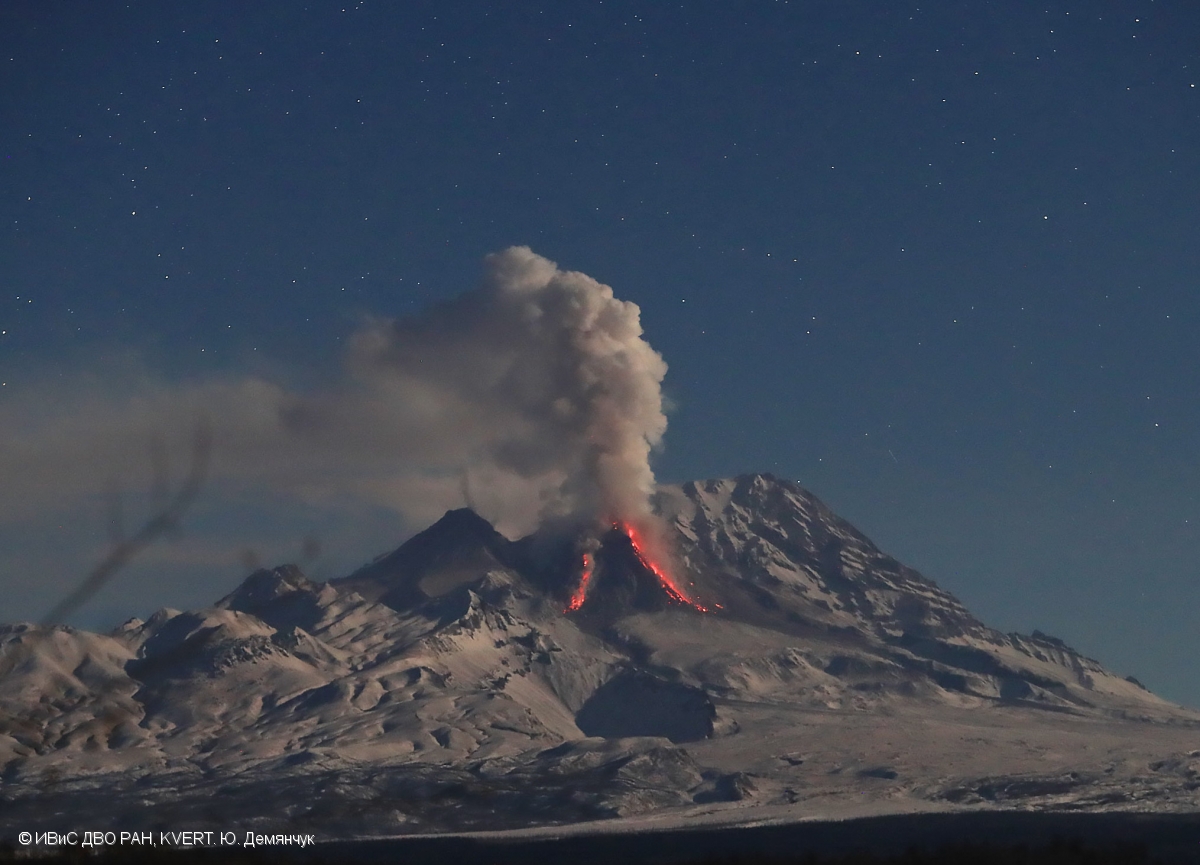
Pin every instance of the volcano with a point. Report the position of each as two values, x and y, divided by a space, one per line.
778 666
620 577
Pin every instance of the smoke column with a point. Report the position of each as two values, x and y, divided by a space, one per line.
539 373
533 397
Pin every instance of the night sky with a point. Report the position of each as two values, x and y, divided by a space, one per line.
936 261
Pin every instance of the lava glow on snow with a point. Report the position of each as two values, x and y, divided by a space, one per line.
669 586
674 592
580 595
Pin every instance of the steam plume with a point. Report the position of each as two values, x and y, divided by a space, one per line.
534 396
540 373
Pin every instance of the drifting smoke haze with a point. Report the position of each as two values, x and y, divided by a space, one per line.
534 397
540 375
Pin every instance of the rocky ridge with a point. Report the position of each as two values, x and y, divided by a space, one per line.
446 686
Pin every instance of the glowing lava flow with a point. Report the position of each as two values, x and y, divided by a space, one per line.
669 586
580 595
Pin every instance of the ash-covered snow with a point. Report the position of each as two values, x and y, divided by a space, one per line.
443 687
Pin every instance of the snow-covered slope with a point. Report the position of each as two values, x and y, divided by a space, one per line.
450 685
778 559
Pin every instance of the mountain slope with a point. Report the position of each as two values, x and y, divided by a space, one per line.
778 558
453 683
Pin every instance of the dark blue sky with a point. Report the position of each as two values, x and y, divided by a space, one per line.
937 261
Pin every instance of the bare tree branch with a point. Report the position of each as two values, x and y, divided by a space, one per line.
163 522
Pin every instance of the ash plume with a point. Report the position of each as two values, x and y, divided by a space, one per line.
541 374
532 398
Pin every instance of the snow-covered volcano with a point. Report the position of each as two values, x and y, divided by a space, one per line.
454 684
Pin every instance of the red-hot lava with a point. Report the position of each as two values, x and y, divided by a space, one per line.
673 590
580 595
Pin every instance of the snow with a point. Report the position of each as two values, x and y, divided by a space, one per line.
443 688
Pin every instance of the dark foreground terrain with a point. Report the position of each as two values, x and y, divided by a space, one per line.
976 838
462 684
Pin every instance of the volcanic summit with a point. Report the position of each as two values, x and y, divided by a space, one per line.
779 666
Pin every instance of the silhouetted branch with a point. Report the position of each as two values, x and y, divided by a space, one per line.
163 522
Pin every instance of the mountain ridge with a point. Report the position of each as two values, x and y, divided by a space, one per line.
458 662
